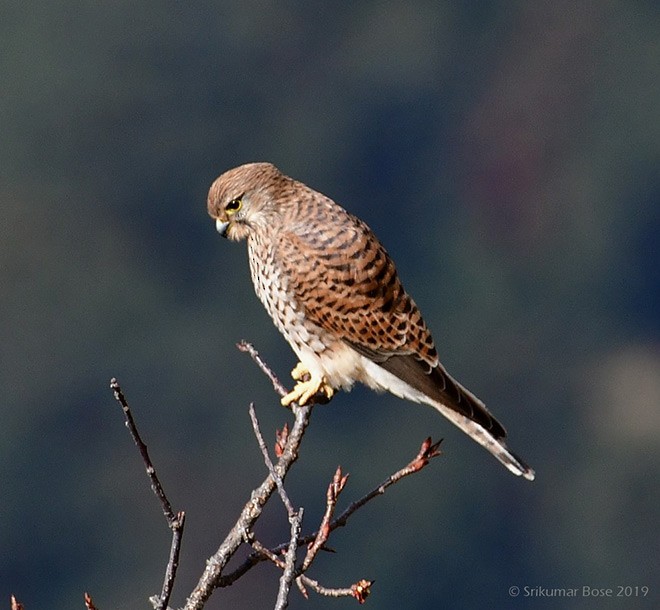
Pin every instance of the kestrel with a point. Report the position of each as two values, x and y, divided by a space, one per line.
334 293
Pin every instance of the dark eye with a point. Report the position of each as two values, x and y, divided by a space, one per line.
234 205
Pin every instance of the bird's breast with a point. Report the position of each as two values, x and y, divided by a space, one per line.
319 350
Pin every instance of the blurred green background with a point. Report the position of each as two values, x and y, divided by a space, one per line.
506 153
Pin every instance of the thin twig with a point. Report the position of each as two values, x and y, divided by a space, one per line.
173 562
289 572
144 453
295 519
244 346
332 495
174 521
360 590
267 553
427 451
269 463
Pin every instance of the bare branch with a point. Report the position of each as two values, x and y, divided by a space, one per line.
360 590
427 451
284 555
144 453
173 561
295 518
289 572
212 575
244 346
267 553
332 495
269 463
174 521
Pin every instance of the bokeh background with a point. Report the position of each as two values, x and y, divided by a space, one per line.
506 153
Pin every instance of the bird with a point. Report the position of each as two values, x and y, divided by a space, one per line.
333 291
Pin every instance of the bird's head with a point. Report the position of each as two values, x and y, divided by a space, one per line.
241 199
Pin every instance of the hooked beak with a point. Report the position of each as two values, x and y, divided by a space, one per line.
221 227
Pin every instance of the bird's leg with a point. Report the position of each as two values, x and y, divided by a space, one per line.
308 387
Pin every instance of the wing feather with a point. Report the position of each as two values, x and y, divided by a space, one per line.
348 285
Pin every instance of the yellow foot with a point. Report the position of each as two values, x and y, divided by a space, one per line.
306 390
300 372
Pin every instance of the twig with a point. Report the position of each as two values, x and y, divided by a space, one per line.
244 346
269 463
174 521
289 572
427 451
267 553
173 562
360 590
144 453
332 495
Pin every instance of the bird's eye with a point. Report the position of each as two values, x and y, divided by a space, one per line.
234 205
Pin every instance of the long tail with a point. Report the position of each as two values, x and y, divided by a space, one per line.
435 387
494 445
